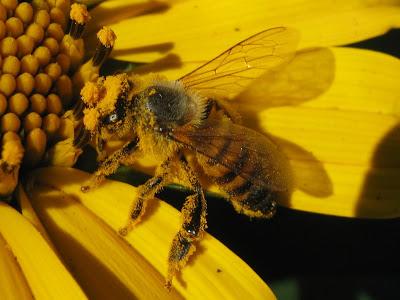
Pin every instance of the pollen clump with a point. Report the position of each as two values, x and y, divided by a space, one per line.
90 94
100 98
114 87
79 13
90 118
107 37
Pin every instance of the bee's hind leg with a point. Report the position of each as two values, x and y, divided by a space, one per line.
193 225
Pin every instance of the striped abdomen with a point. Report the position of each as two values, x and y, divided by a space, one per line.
237 172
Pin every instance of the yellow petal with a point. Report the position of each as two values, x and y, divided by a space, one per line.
173 33
13 283
39 272
350 126
90 247
212 273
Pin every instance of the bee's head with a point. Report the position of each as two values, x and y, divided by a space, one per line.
114 105
107 104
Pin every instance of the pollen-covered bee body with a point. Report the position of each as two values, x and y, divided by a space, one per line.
232 156
151 110
173 105
161 108
168 119
247 166
161 112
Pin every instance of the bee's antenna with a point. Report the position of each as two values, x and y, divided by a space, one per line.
77 110
82 136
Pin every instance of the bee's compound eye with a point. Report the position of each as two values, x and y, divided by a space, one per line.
111 118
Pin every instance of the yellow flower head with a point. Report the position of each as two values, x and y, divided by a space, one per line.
42 74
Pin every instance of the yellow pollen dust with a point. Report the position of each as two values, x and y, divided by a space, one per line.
114 86
152 92
79 13
90 118
106 37
90 94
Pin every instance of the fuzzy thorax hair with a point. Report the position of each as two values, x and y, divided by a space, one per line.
171 101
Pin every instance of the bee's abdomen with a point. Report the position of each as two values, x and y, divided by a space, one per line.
248 196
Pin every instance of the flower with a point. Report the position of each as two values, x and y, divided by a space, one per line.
30 268
319 132
42 72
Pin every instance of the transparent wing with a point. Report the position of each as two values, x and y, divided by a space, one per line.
225 142
232 71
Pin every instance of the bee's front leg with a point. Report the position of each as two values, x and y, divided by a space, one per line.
146 191
110 165
193 225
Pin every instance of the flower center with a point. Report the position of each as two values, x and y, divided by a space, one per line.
41 54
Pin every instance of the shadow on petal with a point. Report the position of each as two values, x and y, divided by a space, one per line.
106 16
309 173
380 196
114 66
170 61
307 76
160 48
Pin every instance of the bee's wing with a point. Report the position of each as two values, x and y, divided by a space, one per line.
232 71
261 161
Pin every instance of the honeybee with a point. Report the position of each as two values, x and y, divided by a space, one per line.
172 120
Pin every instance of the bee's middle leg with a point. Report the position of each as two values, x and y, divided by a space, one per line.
193 226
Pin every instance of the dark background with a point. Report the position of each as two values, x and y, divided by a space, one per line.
310 256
